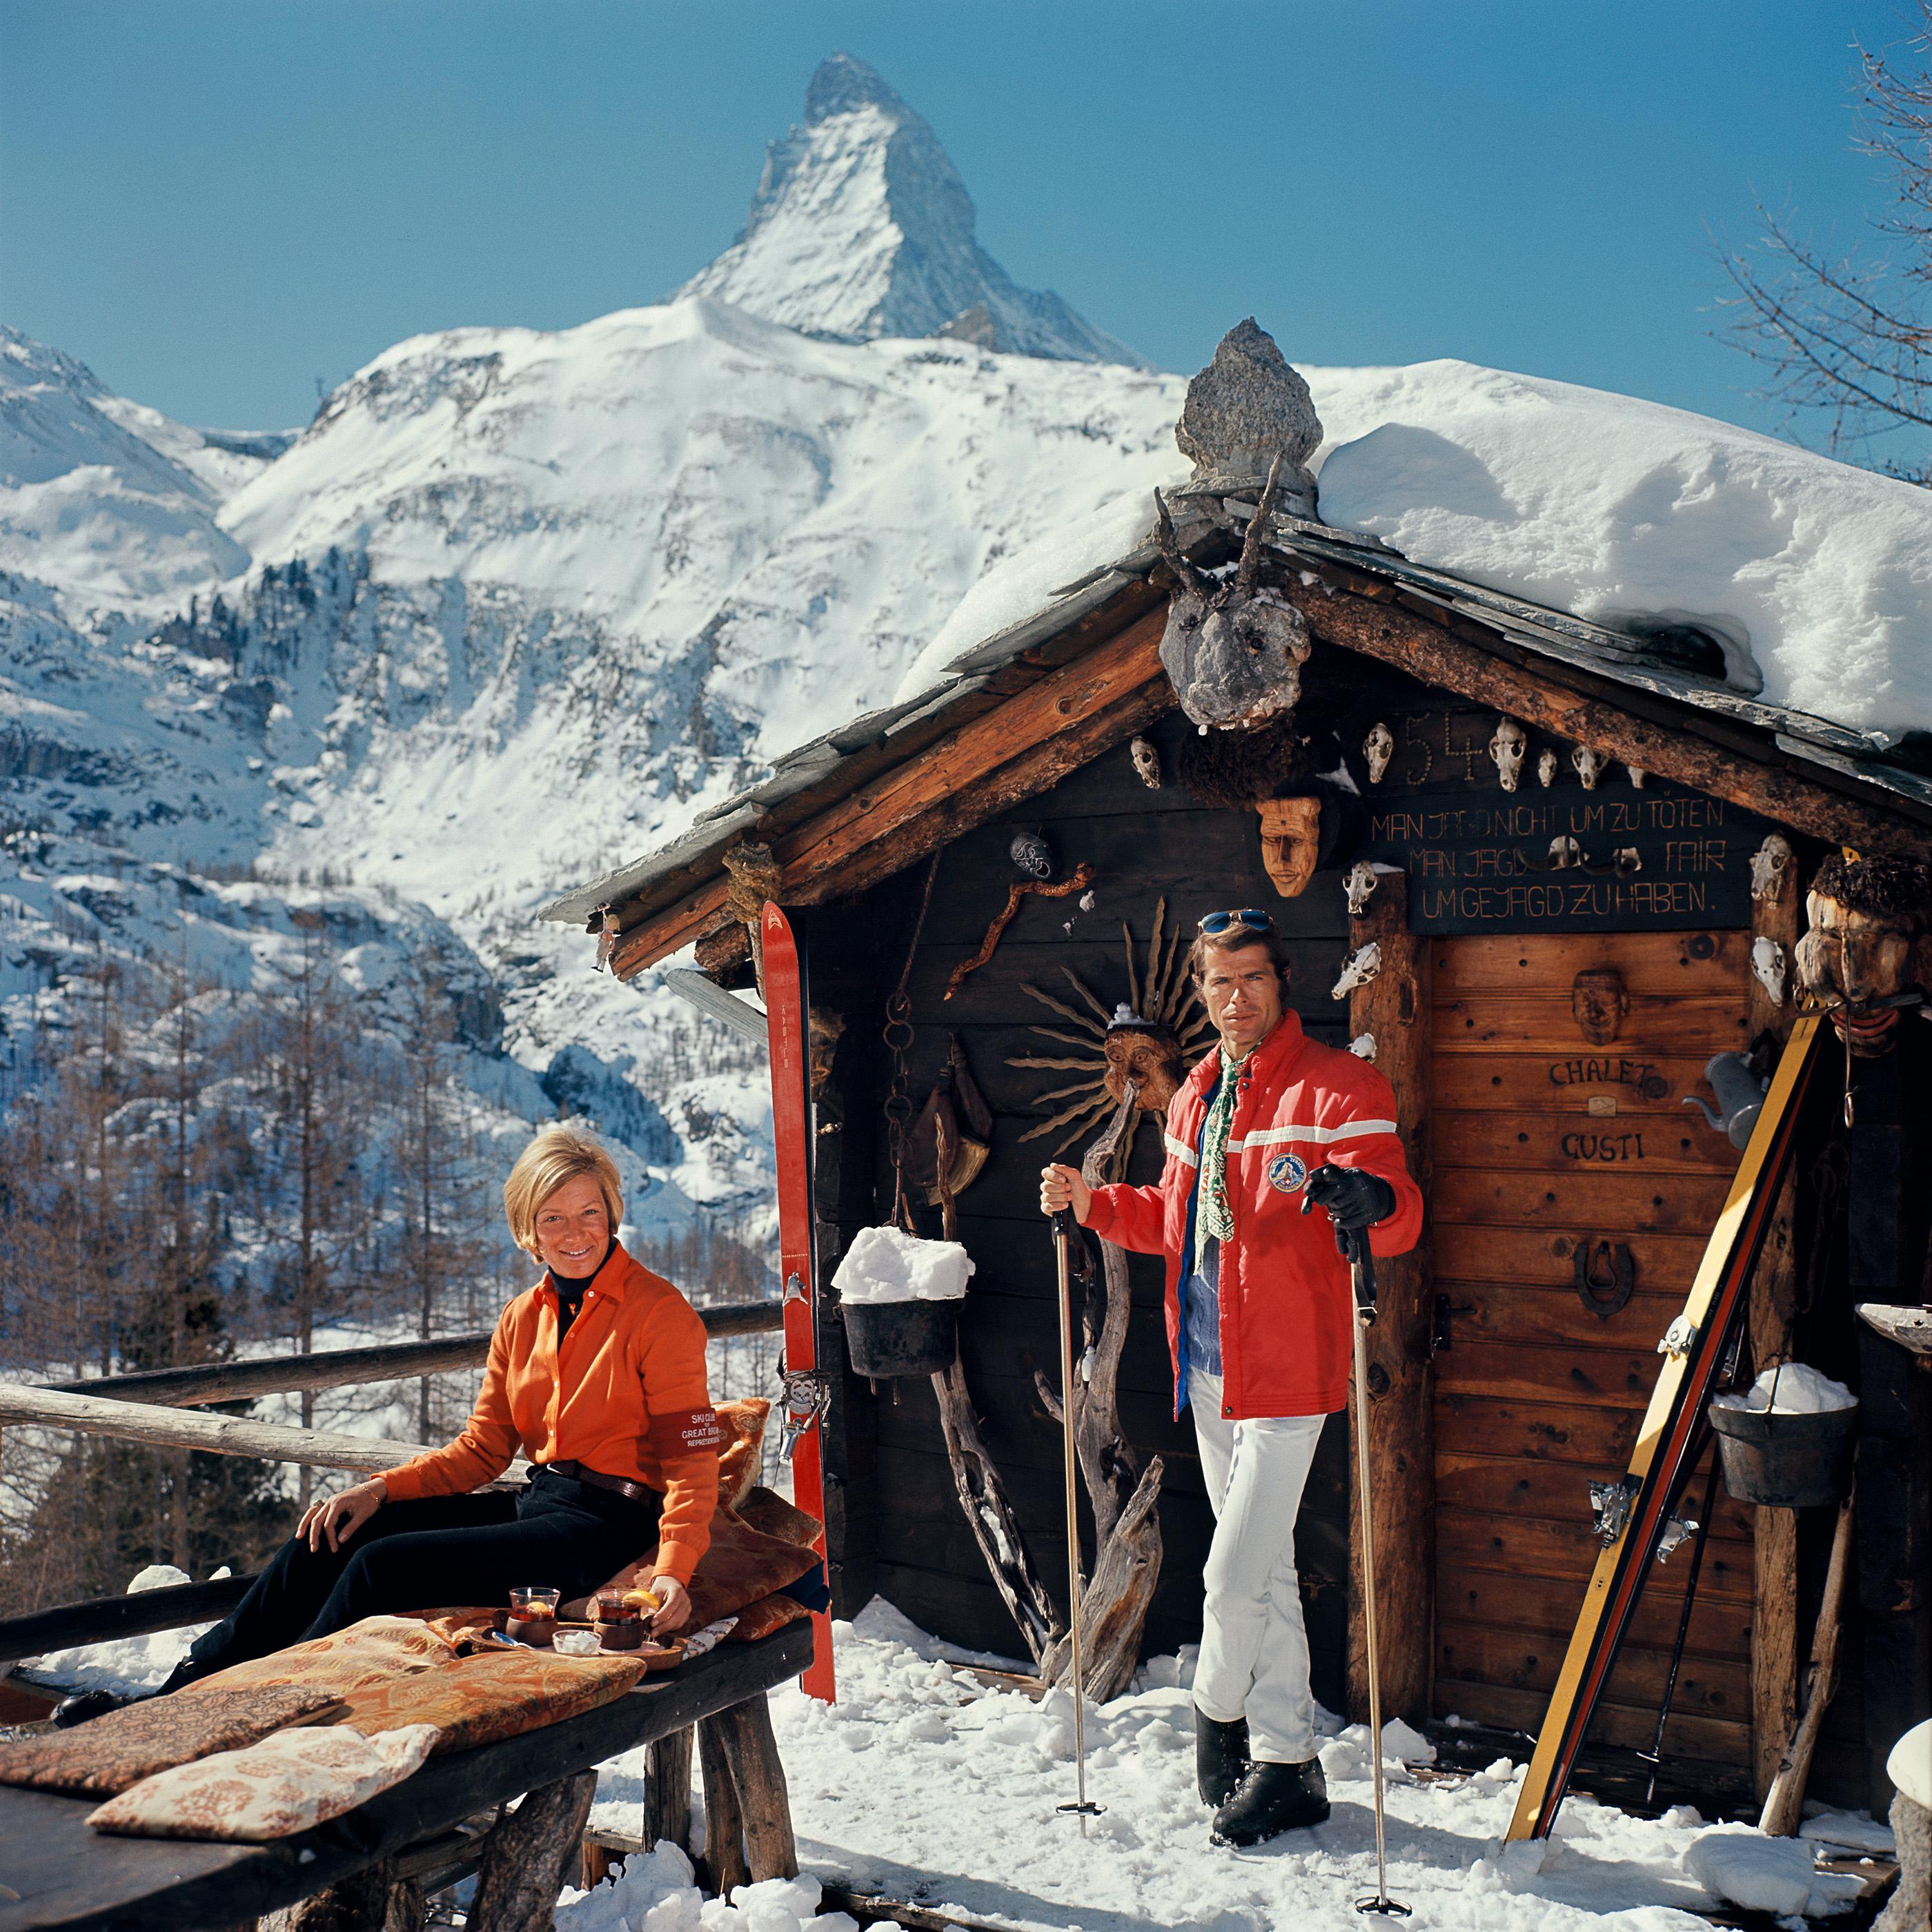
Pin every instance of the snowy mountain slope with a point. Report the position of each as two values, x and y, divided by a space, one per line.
107 502
861 227
583 581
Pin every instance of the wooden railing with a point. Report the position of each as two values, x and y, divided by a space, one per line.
148 1408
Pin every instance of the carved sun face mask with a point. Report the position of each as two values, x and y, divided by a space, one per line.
1150 1055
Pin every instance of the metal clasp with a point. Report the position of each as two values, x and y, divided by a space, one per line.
1610 1502
806 1400
1679 1338
1678 1529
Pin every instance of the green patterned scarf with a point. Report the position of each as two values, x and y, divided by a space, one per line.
1217 1218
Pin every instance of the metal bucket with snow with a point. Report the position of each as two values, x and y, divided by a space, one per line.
1786 1454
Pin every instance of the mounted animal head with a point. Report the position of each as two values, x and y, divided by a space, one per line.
1233 648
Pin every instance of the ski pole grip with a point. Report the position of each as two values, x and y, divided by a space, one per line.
1362 1267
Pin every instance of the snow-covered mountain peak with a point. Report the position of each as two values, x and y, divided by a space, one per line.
861 227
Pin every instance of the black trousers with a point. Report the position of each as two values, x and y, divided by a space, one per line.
435 1550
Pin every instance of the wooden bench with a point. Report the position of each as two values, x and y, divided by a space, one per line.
363 1871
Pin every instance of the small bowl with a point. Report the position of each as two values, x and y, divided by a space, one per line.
576 1643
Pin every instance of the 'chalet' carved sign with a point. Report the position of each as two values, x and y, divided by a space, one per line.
1552 853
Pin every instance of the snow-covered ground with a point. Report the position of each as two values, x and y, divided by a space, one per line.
925 1785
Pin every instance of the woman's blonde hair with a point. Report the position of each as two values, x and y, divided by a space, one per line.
558 1155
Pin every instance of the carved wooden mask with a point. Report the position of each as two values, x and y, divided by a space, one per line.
1599 1002
1149 1055
1291 838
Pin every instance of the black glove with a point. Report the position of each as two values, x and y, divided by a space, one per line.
1354 1199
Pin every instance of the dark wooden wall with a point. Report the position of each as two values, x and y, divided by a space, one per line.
913 1545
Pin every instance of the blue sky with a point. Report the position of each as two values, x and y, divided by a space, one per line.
217 203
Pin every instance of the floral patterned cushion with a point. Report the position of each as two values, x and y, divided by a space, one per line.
394 1672
285 1783
103 1757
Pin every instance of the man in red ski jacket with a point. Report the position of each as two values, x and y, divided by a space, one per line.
1270 1125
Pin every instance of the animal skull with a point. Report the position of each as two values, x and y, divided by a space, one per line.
1362 1046
1360 883
1565 852
1546 769
1768 865
1378 747
1507 748
1637 775
1590 764
1146 762
1233 649
1768 963
1361 967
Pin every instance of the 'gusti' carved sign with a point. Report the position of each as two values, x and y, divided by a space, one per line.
1612 856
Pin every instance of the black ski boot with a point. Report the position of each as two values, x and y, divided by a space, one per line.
86 1705
1220 1757
1273 1798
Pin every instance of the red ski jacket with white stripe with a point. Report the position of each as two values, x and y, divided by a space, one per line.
1286 1306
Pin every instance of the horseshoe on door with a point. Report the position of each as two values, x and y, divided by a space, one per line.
1605 1275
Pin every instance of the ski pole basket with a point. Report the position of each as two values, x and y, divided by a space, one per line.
1779 1460
902 1338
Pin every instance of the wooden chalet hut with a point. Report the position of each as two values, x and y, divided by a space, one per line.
1530 864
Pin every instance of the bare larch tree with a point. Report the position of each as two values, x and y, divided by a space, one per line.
1847 337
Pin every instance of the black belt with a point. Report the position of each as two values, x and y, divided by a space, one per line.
622 1486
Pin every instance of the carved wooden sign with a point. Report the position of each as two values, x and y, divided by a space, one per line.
1579 844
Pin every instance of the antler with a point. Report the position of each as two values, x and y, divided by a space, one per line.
1251 548
1182 572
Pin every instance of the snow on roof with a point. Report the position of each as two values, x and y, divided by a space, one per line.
1814 578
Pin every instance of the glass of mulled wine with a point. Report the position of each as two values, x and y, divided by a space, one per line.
532 1618
619 1620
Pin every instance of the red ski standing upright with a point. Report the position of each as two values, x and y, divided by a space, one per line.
806 1390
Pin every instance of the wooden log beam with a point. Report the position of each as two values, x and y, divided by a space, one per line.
220 1435
970 775
525 1856
1773 1309
1358 616
1393 1008
343 1368
750 1751
103 1619
668 1789
723 1865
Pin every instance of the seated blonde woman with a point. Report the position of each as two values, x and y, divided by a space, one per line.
597 1375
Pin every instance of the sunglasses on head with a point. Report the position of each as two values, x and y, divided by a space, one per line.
1216 923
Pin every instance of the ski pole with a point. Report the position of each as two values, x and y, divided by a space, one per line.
1654 1757
1362 1270
1063 1238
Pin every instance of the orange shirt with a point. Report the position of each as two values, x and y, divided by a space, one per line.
628 1397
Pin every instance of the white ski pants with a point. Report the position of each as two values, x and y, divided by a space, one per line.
1254 1644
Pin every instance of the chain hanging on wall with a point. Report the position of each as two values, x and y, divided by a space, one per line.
897 1035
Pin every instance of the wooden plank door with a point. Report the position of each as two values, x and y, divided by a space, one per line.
1568 1177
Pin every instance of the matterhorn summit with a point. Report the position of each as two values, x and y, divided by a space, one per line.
861 227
